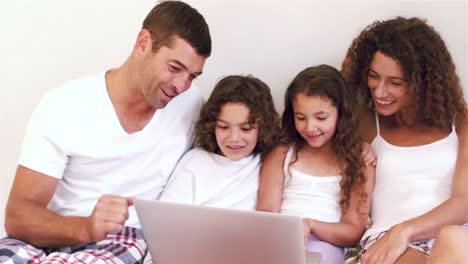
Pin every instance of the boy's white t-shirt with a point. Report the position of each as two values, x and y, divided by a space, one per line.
74 135
209 179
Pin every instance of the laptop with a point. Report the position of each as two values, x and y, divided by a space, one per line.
187 234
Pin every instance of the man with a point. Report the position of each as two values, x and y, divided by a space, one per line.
94 144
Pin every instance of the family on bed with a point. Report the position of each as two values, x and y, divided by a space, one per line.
376 152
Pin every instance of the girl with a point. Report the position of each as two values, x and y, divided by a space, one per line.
317 172
237 127
415 116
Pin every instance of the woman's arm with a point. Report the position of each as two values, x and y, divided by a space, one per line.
354 221
270 190
450 246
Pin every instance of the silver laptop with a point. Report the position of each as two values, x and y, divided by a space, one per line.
186 234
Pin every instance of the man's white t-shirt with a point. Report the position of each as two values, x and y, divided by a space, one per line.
74 135
209 179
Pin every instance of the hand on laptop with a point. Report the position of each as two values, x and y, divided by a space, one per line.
109 216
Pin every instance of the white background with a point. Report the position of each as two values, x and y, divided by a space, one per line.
47 42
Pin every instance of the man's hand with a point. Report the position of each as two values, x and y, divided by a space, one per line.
109 216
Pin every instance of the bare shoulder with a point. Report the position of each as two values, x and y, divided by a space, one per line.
278 153
273 162
461 126
367 126
460 180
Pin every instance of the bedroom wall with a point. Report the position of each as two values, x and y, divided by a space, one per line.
45 43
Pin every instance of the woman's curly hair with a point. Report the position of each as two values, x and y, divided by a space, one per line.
433 85
327 82
253 93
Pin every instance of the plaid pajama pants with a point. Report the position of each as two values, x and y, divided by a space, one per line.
128 246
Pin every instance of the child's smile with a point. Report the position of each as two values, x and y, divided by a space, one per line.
236 138
315 119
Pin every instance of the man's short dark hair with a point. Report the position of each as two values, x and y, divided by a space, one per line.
171 19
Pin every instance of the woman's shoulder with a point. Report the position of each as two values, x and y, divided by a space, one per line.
281 149
278 153
461 125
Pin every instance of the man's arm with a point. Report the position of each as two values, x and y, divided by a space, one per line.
27 217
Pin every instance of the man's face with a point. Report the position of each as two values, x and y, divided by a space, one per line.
169 72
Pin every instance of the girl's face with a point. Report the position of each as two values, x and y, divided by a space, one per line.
236 138
387 85
315 119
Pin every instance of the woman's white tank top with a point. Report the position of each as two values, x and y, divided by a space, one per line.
410 181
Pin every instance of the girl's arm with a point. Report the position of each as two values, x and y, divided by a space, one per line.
354 221
270 190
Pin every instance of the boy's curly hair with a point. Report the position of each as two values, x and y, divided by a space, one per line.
327 82
250 91
433 85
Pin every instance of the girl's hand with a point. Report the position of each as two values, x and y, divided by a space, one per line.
368 155
307 229
389 248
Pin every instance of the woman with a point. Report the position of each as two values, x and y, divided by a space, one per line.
414 113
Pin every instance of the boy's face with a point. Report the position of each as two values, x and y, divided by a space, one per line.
235 137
